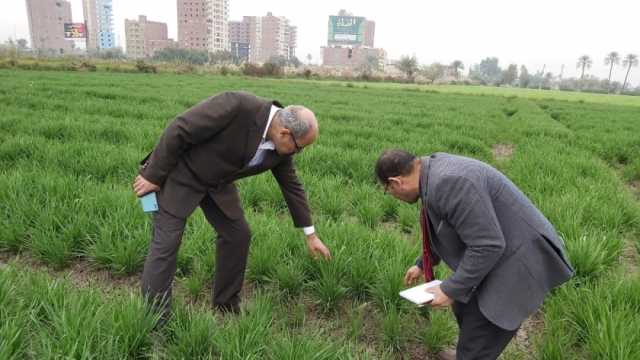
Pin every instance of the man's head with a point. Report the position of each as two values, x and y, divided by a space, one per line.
399 172
292 129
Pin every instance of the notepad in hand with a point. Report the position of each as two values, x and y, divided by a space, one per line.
149 202
418 294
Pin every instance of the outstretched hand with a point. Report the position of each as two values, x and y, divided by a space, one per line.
317 248
413 275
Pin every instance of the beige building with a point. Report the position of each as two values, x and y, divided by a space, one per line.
46 25
203 24
192 24
145 37
258 38
239 38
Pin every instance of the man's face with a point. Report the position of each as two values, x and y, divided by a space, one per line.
402 188
287 144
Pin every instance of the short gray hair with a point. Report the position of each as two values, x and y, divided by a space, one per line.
290 119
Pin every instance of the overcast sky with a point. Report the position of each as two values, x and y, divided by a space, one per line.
533 33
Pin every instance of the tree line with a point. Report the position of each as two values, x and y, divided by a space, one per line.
489 72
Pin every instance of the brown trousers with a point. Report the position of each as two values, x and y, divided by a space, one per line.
232 250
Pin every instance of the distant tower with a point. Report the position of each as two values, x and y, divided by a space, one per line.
203 24
218 25
98 17
46 25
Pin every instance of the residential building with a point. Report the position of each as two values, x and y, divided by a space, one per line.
46 25
98 17
258 39
203 24
145 37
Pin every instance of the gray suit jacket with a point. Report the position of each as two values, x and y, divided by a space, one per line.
499 245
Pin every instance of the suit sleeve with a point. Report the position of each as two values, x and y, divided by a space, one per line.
435 258
193 127
470 211
293 192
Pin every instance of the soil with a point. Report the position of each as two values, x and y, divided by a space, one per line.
502 152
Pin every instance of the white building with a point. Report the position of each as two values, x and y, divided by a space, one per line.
218 28
98 16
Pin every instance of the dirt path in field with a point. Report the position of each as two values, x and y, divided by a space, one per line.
629 258
502 152
81 273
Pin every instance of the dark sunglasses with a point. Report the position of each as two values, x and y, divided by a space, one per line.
298 147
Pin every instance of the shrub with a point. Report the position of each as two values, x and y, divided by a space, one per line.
143 67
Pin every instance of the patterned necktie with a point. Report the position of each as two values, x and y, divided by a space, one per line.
427 264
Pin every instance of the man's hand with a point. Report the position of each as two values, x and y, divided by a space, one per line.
441 299
142 186
317 248
413 275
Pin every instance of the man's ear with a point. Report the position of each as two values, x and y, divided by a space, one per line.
284 131
395 180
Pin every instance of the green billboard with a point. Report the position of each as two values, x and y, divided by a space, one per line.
346 29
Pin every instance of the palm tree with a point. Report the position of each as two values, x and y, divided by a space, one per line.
455 66
584 62
631 60
613 58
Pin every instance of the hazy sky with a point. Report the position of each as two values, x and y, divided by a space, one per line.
526 32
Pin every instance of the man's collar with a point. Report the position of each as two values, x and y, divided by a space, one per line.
272 114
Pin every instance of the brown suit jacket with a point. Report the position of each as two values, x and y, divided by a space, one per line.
204 150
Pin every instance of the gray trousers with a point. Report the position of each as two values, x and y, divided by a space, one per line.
232 249
479 339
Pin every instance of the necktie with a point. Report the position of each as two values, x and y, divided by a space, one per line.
427 264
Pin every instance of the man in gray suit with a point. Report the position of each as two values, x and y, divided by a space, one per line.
506 256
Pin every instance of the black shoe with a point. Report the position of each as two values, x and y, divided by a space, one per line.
162 322
231 308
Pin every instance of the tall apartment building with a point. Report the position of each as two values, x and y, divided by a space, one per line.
258 38
239 38
145 37
218 29
98 17
46 25
203 24
369 33
350 42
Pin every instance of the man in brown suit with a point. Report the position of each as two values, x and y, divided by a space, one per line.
195 163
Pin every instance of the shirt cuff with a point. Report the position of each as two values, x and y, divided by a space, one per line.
308 230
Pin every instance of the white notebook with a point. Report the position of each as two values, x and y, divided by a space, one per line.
418 294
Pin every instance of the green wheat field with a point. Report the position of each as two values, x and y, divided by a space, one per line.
73 237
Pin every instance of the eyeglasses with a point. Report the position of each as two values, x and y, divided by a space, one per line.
295 143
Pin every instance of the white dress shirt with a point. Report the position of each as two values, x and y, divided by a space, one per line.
268 145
